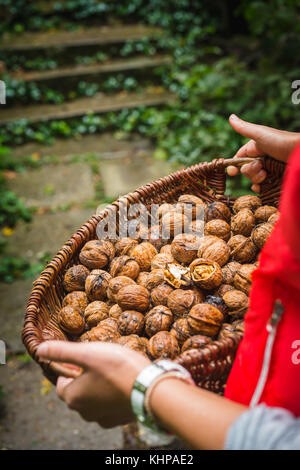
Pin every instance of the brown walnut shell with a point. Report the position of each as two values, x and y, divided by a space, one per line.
115 284
223 289
197 228
173 223
131 322
164 209
217 210
124 245
214 249
243 223
77 300
229 271
143 254
237 303
166 250
96 284
106 332
163 345
190 210
155 278
70 320
95 312
134 342
181 301
159 318
205 319
75 277
96 254
142 278
184 248
260 234
159 295
246 202
242 249
161 261
273 218
243 278
115 311
217 302
227 331
133 298
206 274
196 342
239 326
218 228
263 213
181 330
124 266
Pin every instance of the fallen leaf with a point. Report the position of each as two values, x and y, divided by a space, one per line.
46 387
7 231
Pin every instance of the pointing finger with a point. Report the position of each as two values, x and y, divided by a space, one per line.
64 351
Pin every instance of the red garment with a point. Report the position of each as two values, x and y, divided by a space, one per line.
277 277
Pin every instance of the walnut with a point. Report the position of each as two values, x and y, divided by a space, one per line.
217 302
115 311
177 275
143 254
184 248
204 319
96 254
104 331
115 284
155 278
242 249
181 301
243 223
217 210
218 228
181 330
246 202
239 326
131 322
191 199
124 266
214 249
124 245
96 284
164 209
196 342
223 289
243 278
155 237
273 218
133 298
191 211
134 342
260 234
160 294
197 227
159 318
166 250
163 345
227 331
70 320
95 312
75 277
161 260
229 271
142 278
237 303
206 274
263 213
77 300
173 223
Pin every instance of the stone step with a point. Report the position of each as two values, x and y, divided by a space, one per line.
82 37
98 104
113 66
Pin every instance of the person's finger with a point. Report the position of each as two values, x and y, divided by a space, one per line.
259 177
61 384
247 129
250 149
65 351
232 170
255 188
251 169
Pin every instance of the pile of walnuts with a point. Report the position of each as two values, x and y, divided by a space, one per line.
164 296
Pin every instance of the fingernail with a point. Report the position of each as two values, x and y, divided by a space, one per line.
42 349
233 116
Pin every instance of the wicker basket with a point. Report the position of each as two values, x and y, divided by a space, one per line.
209 366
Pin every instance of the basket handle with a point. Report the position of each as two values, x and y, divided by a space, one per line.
241 161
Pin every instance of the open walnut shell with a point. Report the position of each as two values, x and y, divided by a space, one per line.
96 254
159 318
124 266
70 320
181 301
205 319
206 274
213 249
242 249
163 345
177 276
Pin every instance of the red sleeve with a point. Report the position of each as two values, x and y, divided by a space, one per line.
290 204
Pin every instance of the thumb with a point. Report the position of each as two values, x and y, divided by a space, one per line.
64 351
247 129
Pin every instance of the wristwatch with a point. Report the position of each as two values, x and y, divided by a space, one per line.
144 380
